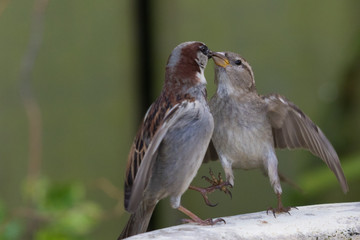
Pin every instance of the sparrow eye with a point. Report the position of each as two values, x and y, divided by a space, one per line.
204 49
238 62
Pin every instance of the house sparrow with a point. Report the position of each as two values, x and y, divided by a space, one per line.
248 126
171 141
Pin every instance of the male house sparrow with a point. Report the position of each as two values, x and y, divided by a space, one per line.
248 126
172 140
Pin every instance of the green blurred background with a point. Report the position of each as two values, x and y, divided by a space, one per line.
86 80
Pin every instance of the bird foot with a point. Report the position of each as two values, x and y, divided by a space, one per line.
196 219
206 222
279 210
204 192
216 184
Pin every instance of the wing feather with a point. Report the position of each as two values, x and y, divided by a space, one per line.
143 173
293 129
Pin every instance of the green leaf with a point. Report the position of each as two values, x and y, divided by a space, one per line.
319 180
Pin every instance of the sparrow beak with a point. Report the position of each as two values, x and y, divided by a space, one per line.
220 59
210 54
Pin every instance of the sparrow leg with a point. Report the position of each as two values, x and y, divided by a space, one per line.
196 219
280 208
216 183
204 192
272 172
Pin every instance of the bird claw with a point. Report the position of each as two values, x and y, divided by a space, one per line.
206 222
204 192
216 184
279 210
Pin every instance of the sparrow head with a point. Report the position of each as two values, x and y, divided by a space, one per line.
232 72
186 64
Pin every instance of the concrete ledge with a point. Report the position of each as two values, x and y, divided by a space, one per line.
325 221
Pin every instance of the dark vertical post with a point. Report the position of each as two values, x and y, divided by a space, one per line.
144 51
144 45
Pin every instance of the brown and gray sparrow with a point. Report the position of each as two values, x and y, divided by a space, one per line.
172 140
248 126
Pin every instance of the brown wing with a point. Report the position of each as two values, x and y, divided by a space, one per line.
293 129
140 165
147 130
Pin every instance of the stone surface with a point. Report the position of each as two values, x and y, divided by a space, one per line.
325 221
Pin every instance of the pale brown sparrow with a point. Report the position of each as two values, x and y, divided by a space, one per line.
248 126
172 140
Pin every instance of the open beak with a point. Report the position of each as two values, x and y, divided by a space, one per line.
220 59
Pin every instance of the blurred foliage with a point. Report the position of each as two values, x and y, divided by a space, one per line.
54 211
317 181
10 229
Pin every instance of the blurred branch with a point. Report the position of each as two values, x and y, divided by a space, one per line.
113 192
110 189
31 106
3 5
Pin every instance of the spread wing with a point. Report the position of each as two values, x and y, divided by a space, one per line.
156 123
293 129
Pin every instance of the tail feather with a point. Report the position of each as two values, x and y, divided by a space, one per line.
138 221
